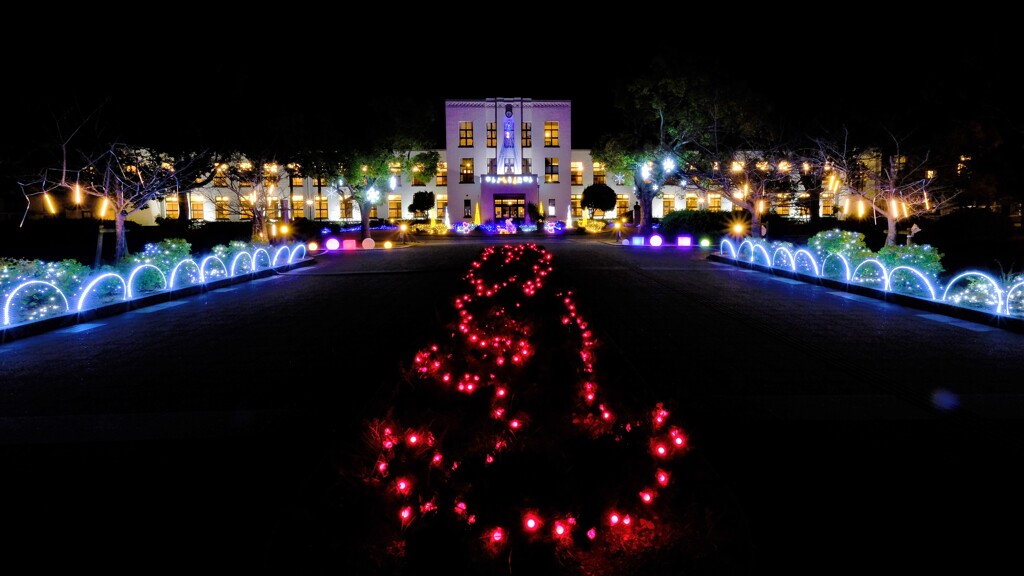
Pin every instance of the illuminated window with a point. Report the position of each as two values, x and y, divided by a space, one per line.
551 170
297 181
668 203
550 134
622 204
346 207
373 211
394 206
196 205
527 131
442 174
396 170
492 165
441 201
467 208
715 202
318 183
246 208
576 202
551 207
171 207
828 204
320 207
466 171
273 208
492 135
576 173
509 206
417 176
221 208
599 173
220 180
781 205
465 134
298 206
691 202
527 165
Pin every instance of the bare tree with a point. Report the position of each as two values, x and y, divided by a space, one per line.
893 185
253 183
751 179
126 178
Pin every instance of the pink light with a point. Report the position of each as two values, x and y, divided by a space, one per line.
497 535
382 467
405 514
412 439
660 415
348 244
646 497
684 241
460 507
661 450
332 244
437 458
489 459
613 518
592 533
626 520
531 522
560 529
514 424
500 392
498 412
403 485
662 477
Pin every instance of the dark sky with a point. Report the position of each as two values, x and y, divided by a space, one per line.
245 88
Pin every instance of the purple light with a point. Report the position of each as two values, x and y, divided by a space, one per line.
332 244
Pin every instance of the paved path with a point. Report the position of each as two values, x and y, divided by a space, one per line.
854 434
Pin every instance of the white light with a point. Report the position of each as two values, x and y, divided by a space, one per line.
668 164
393 182
645 171
373 195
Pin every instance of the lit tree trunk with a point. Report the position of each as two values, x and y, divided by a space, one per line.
183 207
755 222
645 197
364 217
120 242
890 234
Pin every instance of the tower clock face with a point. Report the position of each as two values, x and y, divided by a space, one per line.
508 110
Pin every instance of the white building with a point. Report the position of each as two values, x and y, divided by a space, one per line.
500 155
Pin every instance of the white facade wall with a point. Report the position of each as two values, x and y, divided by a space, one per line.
480 195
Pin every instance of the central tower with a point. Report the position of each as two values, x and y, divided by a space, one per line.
508 156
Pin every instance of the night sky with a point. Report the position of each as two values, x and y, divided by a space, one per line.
249 90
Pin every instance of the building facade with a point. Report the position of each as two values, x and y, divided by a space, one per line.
501 155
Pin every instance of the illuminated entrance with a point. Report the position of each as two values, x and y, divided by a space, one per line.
509 206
